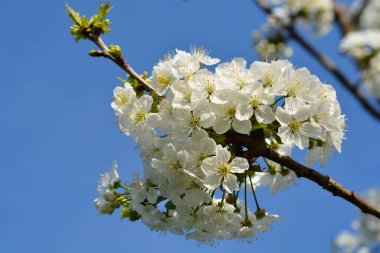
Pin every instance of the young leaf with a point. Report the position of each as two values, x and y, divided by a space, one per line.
74 15
103 11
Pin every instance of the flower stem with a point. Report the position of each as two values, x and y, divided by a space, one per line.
245 197
254 195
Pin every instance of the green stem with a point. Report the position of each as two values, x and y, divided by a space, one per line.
237 194
254 195
245 197
266 162
224 194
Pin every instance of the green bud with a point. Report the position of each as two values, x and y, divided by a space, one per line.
134 216
115 51
230 199
284 171
260 214
95 53
125 212
272 169
169 205
246 223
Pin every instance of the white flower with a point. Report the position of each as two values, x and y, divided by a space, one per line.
104 203
317 14
360 44
187 153
163 76
219 169
103 206
202 55
294 126
122 98
139 116
108 179
234 74
227 115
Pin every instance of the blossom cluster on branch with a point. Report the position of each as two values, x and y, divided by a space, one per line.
362 44
271 40
366 238
199 132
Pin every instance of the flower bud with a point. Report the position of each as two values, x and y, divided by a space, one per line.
260 214
115 51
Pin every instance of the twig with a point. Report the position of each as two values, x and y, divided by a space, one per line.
356 16
327 63
121 62
258 148
324 181
343 18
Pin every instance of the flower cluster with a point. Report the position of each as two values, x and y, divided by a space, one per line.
270 43
195 134
369 18
363 45
318 15
366 239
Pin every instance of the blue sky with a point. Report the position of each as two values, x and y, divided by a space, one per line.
58 131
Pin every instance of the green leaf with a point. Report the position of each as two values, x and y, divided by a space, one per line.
123 81
133 81
103 10
74 15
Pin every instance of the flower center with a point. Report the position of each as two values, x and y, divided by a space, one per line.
255 101
292 90
175 165
267 80
194 121
140 117
121 98
294 125
163 80
321 117
224 169
210 86
187 95
231 111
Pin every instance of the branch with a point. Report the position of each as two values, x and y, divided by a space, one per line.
257 147
326 62
357 14
343 18
324 181
121 62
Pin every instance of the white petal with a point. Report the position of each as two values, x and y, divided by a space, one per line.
283 116
207 119
212 181
310 130
153 120
264 114
209 165
239 165
286 135
222 154
151 196
222 125
146 102
244 111
229 183
243 127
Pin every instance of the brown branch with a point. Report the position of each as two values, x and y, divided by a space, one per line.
343 18
121 62
356 16
256 147
324 181
326 62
